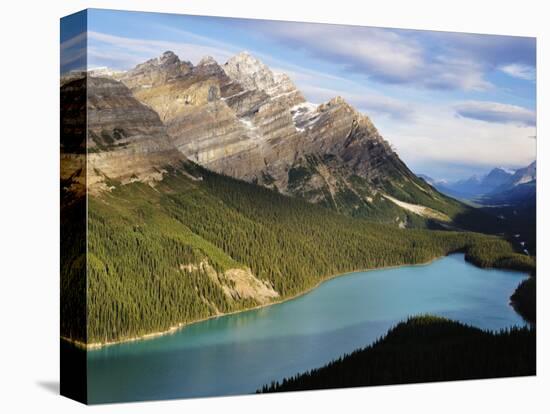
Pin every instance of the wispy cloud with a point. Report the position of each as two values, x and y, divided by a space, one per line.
518 70
496 113
122 52
368 103
433 60
435 139
73 53
379 54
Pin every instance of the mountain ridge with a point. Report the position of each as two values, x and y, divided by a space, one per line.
246 121
484 187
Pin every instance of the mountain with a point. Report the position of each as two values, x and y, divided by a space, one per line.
525 175
499 186
521 185
475 186
515 204
508 199
523 194
495 178
243 120
519 189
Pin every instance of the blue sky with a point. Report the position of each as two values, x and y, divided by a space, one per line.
451 104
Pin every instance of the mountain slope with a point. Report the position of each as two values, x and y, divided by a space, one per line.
182 251
243 120
125 140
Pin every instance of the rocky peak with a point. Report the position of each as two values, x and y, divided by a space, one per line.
337 100
207 60
155 71
250 72
525 175
168 58
498 174
283 82
208 66
339 104
165 61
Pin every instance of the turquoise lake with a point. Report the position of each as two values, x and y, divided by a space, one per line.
237 354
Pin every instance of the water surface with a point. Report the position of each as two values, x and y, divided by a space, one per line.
239 353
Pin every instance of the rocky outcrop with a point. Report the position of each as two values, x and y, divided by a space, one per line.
249 72
165 68
236 283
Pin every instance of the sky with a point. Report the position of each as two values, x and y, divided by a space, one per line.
451 104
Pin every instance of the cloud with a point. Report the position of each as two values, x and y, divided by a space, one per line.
379 54
367 102
492 51
121 52
518 70
435 141
496 113
433 60
73 53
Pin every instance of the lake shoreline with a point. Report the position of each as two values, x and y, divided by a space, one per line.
175 328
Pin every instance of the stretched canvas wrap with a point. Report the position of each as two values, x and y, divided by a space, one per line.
254 206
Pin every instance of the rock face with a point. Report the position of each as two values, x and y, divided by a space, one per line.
524 175
243 120
237 283
126 141
155 71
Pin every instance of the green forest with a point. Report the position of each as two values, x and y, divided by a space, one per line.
425 349
145 244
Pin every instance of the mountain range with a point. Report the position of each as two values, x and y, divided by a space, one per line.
499 186
243 120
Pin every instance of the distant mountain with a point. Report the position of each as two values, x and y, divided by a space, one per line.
514 204
495 178
475 186
520 189
521 176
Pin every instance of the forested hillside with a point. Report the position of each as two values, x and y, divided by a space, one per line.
425 349
198 244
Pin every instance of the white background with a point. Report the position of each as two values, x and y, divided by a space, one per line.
29 223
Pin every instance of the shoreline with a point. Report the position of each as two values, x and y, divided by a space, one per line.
175 328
